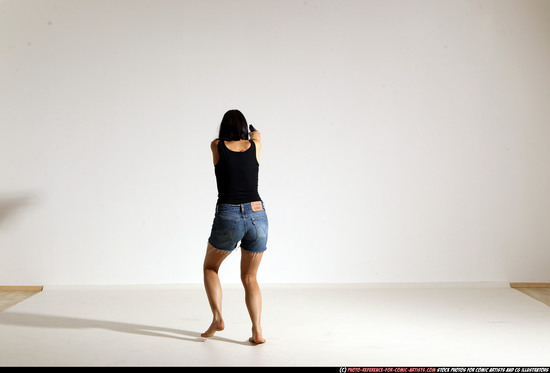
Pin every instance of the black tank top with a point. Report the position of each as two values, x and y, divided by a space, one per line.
237 175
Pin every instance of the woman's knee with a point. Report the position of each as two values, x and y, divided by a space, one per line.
248 279
210 269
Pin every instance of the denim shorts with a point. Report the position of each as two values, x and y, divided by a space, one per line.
234 223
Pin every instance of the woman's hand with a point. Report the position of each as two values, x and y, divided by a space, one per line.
255 136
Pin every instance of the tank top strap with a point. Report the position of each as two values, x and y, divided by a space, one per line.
222 148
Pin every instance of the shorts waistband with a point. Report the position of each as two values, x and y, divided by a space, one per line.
241 207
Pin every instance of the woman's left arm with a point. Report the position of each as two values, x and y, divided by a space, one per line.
215 153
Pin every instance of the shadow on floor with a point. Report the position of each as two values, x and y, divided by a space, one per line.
61 322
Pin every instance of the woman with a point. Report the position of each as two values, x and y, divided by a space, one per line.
240 217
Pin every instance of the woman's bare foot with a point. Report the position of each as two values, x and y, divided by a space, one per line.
216 326
256 338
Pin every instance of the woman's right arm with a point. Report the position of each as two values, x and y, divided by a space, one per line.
256 136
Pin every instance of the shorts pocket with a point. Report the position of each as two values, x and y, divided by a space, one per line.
223 230
262 226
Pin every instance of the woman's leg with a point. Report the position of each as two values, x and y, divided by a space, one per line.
212 262
253 297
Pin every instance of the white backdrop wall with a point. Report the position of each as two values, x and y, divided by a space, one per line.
404 141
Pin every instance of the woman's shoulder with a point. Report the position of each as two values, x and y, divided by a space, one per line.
214 148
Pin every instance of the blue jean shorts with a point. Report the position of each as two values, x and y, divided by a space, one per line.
239 223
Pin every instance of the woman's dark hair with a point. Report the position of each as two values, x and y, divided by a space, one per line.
233 126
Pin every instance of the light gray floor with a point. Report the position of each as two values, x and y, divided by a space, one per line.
305 325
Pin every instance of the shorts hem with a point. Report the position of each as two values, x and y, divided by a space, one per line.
254 251
217 248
